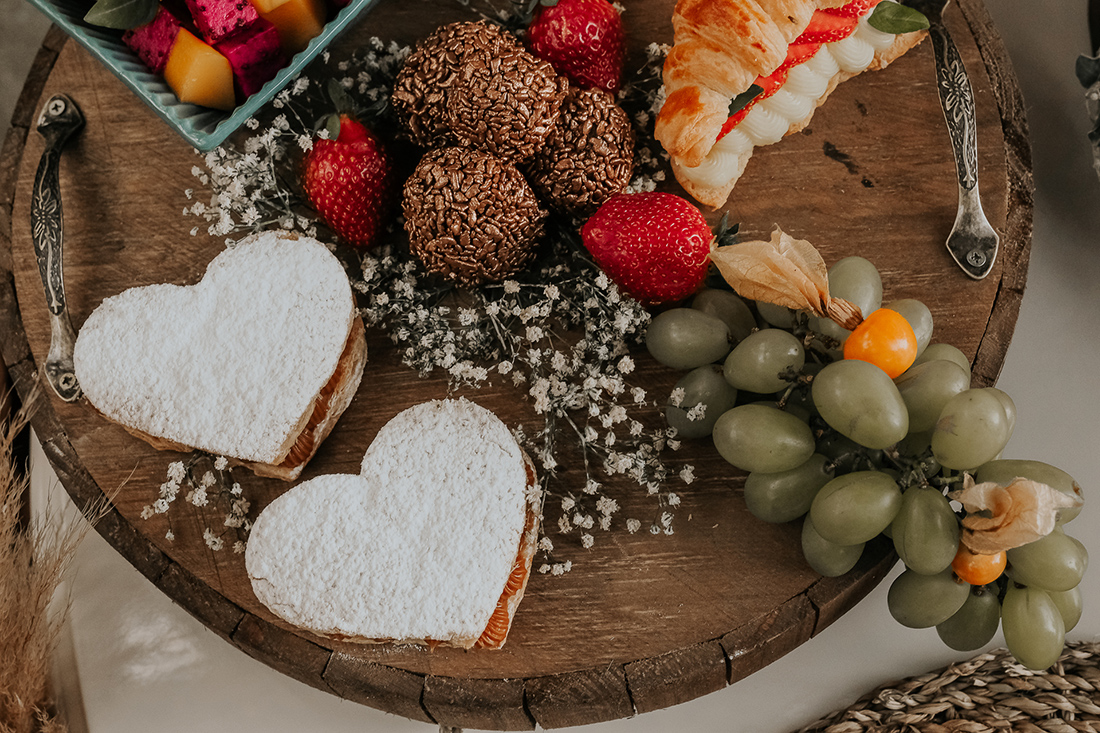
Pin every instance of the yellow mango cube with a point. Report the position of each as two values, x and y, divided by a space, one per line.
297 21
198 74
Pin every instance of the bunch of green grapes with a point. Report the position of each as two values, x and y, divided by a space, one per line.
865 433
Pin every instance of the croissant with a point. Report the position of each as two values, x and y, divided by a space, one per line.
795 51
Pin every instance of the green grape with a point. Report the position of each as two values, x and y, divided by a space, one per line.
755 364
858 400
973 625
856 280
786 495
971 430
684 338
1002 471
1070 605
727 306
1006 403
944 351
926 388
760 438
1056 562
1033 626
703 386
827 558
919 317
920 601
775 315
925 531
855 507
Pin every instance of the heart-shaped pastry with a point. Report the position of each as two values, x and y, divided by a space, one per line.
431 543
254 362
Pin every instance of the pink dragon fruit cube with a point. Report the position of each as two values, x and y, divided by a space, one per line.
255 56
153 41
219 19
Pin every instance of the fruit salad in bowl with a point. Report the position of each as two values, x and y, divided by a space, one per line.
205 66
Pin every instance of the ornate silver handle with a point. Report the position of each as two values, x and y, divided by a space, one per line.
972 242
60 118
957 99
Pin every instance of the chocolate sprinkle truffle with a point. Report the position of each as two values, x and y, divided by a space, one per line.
470 217
587 158
473 84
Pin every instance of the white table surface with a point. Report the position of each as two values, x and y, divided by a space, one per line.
145 664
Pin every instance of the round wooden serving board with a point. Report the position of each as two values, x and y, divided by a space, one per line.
642 621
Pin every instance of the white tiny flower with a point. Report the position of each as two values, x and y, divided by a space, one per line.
147 511
687 474
673 499
221 463
511 287
170 536
238 547
587 541
160 506
544 568
677 397
212 540
567 503
546 545
697 413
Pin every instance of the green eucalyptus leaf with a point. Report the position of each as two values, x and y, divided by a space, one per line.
332 124
341 100
897 18
122 14
739 102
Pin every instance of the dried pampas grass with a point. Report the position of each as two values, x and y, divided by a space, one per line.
34 557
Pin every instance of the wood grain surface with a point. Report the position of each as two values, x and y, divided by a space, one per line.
641 622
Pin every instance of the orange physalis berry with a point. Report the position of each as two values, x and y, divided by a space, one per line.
884 339
978 569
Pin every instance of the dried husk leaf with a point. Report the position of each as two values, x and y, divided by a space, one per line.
1002 517
785 271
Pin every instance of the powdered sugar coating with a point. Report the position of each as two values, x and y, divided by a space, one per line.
231 364
418 546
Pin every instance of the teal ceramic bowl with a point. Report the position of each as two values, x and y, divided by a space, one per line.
202 127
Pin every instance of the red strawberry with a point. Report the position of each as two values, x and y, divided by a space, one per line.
349 181
582 40
827 28
652 245
854 9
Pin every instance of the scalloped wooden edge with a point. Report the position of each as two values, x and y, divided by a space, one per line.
575 698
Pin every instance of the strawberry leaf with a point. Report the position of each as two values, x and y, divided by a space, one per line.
897 18
739 102
121 14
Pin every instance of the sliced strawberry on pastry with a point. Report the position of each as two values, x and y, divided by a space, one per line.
854 9
828 28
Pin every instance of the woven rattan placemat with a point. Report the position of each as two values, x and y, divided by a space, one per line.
990 692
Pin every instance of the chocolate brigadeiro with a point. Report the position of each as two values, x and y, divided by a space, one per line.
470 216
588 157
474 84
